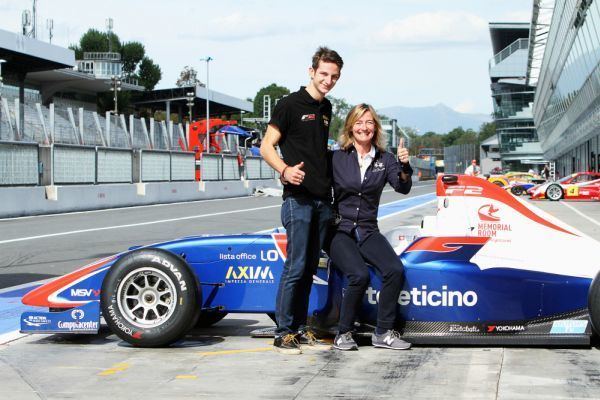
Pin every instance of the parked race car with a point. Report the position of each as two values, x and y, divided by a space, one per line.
518 188
506 179
577 186
472 277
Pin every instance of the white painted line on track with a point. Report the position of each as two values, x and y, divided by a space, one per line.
160 221
592 220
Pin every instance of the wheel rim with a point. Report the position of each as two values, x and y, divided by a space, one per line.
146 297
554 192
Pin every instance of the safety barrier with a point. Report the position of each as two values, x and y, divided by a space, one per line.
74 164
220 167
114 165
155 165
18 163
257 168
182 166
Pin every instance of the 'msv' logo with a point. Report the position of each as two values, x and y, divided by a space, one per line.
85 292
238 273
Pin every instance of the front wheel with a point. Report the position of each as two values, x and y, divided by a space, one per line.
150 298
554 192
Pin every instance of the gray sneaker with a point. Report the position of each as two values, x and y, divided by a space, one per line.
344 341
389 340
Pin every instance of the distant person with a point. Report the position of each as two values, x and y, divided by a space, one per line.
255 149
473 169
546 172
300 126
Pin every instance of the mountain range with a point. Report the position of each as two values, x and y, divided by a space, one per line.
438 118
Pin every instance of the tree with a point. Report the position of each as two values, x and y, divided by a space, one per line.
149 73
451 137
96 41
340 109
132 53
468 137
486 130
188 77
276 92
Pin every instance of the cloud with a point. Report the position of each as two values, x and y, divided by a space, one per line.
433 29
466 106
518 16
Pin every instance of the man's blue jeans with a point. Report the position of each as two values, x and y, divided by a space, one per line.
306 221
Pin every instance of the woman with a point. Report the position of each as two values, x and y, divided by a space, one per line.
361 169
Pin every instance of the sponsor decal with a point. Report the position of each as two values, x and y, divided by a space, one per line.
569 326
486 213
460 328
120 324
378 166
490 224
308 117
423 297
505 328
85 292
249 274
462 190
173 269
79 325
36 320
240 256
77 314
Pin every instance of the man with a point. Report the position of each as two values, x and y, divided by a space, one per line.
473 169
300 126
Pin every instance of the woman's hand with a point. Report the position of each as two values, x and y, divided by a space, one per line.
402 152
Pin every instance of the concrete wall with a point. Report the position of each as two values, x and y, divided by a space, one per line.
22 201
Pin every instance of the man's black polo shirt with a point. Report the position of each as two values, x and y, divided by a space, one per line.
304 126
358 202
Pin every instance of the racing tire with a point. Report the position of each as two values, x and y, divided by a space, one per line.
594 304
516 190
209 318
554 192
150 298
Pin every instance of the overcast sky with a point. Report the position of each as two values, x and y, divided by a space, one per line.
396 52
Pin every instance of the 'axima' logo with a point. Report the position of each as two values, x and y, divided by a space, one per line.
429 298
248 274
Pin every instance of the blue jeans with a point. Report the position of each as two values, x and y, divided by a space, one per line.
307 222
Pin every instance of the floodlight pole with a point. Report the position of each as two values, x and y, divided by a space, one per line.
208 60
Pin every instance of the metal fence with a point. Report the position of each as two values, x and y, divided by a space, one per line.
19 163
458 157
257 168
114 165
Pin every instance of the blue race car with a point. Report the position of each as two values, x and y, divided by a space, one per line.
472 277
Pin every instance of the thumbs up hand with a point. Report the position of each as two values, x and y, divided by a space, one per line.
402 152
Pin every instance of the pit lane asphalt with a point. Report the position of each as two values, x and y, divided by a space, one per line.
224 362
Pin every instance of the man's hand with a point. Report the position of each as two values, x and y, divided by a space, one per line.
402 152
294 175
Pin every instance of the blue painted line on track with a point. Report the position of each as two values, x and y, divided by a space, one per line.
403 204
11 307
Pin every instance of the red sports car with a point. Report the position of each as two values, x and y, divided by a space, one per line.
577 186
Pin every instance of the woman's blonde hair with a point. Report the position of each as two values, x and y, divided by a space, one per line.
347 138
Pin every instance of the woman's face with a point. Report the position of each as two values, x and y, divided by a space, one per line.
364 129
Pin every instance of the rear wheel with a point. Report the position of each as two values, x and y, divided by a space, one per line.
150 298
517 190
554 192
594 303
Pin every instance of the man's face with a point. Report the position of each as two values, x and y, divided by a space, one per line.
324 78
